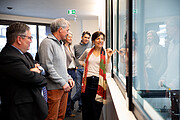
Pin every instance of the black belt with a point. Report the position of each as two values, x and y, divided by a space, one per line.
71 68
92 82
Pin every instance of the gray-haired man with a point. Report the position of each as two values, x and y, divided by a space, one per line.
52 56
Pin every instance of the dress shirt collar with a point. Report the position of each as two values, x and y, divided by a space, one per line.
18 49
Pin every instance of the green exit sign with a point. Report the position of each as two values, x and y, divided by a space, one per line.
134 11
71 11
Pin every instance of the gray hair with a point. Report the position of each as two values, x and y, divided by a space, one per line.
70 32
57 23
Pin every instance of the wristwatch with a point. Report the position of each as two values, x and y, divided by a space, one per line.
40 68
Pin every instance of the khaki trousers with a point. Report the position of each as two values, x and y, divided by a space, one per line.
57 103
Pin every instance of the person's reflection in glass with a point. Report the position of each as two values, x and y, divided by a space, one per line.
155 60
171 77
124 54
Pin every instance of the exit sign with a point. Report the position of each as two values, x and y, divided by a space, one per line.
134 11
71 12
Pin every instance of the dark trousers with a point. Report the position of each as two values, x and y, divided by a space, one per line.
68 109
91 109
78 82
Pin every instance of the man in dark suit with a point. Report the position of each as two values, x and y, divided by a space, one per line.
20 78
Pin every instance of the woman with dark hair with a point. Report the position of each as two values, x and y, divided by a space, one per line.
97 63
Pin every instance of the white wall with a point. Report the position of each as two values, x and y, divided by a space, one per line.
77 27
102 17
23 18
82 25
90 25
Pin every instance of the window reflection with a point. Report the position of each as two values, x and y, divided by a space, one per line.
171 76
158 57
42 33
155 60
33 46
121 66
2 36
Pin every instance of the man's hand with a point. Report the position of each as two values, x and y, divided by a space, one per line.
35 70
71 83
66 87
36 65
161 82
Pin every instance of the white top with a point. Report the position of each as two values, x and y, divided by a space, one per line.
72 64
94 63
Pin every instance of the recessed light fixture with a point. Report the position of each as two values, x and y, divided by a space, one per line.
10 8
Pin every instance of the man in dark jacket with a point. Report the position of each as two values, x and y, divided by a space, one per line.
20 78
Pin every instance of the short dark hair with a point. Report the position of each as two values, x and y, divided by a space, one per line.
96 35
86 32
14 30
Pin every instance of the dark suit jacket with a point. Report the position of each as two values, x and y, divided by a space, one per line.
20 89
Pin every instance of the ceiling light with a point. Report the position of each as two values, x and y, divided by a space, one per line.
10 8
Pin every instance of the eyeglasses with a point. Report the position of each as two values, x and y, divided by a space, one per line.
29 37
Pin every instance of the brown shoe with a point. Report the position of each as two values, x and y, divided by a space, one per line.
70 115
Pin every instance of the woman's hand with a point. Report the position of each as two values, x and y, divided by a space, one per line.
109 52
122 51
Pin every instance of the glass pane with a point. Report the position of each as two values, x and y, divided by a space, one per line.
43 32
3 36
108 36
115 34
33 46
121 37
157 57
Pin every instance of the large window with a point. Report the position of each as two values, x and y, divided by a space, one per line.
39 32
43 32
157 85
2 36
155 55
119 35
33 46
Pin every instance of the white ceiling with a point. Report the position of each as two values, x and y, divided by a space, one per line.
85 9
